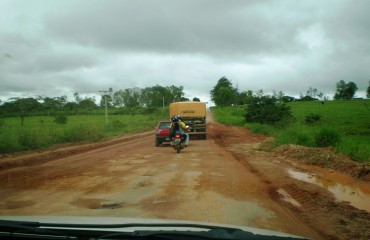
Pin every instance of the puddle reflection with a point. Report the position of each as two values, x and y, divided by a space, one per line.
344 188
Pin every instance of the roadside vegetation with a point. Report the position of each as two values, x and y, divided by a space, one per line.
33 123
44 131
40 132
37 123
343 125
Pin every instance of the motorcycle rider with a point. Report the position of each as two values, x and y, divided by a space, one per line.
185 130
178 125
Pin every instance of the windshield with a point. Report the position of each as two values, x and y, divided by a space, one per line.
274 96
164 125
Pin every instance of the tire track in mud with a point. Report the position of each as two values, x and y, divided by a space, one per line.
313 205
58 152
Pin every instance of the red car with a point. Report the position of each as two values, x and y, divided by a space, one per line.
162 133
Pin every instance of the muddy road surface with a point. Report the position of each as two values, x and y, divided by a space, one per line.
224 179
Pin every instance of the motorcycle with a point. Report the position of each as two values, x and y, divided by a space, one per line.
178 141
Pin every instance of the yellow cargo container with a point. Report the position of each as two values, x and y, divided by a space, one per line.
193 114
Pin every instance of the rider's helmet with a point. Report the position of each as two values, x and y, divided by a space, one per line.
174 119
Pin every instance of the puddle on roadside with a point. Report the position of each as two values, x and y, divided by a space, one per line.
287 198
343 187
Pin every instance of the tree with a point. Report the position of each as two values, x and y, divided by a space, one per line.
278 95
157 96
266 109
131 97
176 92
195 99
243 97
77 97
70 105
368 91
118 97
307 98
224 94
184 99
87 103
287 99
24 106
345 91
107 98
52 104
312 94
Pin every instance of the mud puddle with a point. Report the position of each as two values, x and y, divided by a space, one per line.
344 188
287 198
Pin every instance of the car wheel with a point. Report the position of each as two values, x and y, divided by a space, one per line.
157 143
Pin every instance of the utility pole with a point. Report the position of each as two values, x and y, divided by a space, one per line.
106 105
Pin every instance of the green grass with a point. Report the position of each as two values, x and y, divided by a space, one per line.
229 115
350 120
41 131
349 117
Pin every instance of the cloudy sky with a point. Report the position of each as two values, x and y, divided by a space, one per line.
55 48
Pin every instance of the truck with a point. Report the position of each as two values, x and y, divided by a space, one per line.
194 115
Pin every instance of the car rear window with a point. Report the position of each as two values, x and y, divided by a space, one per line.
164 125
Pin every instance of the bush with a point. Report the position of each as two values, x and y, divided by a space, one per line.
296 134
261 129
267 110
311 119
230 115
8 141
83 133
61 119
355 148
2 123
295 137
327 137
116 125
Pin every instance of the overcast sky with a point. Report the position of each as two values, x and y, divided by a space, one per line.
56 48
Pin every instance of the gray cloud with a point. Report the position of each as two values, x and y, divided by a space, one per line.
58 47
208 27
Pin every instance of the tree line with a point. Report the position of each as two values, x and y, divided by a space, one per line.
272 108
149 97
225 94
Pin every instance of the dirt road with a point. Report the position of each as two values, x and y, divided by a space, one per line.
224 179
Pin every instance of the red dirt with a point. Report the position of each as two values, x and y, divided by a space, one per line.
225 179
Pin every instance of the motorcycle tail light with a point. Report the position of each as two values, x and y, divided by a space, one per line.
177 136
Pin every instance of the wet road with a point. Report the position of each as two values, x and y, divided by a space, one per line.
208 181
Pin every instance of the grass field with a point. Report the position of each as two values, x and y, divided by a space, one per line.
41 131
349 119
